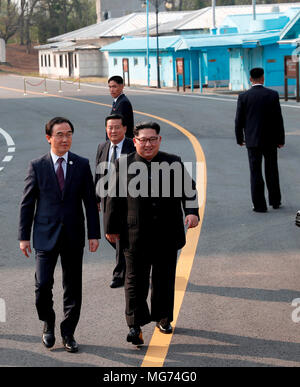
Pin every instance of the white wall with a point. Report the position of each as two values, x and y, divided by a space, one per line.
53 63
89 63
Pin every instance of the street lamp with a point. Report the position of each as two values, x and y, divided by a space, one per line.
156 4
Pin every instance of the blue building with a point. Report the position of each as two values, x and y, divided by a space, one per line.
222 58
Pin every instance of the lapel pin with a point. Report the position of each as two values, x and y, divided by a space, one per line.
71 162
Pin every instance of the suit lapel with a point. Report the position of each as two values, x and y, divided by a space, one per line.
105 151
70 168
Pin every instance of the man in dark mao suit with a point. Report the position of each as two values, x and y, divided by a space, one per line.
259 125
146 214
121 104
56 186
108 152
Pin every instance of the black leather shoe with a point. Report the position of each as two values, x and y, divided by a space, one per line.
259 209
276 206
116 283
164 326
48 338
70 344
135 336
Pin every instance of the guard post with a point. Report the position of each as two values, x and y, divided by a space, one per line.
125 64
291 71
180 72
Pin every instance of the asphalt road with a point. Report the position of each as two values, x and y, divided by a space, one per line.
237 309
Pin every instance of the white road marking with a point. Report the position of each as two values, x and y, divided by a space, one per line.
7 159
10 144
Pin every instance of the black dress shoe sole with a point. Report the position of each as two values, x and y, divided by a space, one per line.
263 210
276 206
136 340
166 331
116 284
71 350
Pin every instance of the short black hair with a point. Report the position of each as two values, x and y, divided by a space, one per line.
116 78
256 72
115 117
146 125
54 121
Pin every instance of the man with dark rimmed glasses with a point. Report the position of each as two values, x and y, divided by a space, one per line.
148 220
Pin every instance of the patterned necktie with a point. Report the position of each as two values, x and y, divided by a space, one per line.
114 155
114 105
60 174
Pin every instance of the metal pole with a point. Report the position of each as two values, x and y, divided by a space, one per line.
214 13
148 56
157 46
254 9
45 84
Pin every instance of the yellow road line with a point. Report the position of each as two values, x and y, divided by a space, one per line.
159 343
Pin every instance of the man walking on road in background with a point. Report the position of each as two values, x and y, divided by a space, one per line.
259 126
109 152
56 186
121 104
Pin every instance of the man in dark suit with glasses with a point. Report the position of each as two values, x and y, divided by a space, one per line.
56 187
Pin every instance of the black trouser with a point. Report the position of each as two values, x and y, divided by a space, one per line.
255 156
137 279
120 268
71 262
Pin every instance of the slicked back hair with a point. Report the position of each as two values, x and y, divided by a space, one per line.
116 78
57 120
256 73
146 125
115 117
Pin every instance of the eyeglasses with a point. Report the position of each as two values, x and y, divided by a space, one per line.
62 135
144 140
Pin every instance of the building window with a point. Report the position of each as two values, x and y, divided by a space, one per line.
115 62
145 61
54 60
135 61
45 57
75 61
66 60
42 61
61 61
49 61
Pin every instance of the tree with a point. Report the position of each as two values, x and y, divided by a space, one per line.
9 19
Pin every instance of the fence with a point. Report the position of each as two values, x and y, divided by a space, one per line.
44 81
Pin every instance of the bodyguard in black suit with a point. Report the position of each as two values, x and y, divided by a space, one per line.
109 152
146 214
56 186
121 104
259 125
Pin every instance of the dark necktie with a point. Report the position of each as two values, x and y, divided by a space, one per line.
114 105
114 155
60 174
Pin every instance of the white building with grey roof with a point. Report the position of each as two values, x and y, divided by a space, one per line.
76 53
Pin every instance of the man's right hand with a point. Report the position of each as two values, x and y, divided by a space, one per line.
25 247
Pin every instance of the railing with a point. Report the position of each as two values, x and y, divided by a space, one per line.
44 81
68 83
26 82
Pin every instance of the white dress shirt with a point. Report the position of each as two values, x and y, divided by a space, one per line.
119 149
64 163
